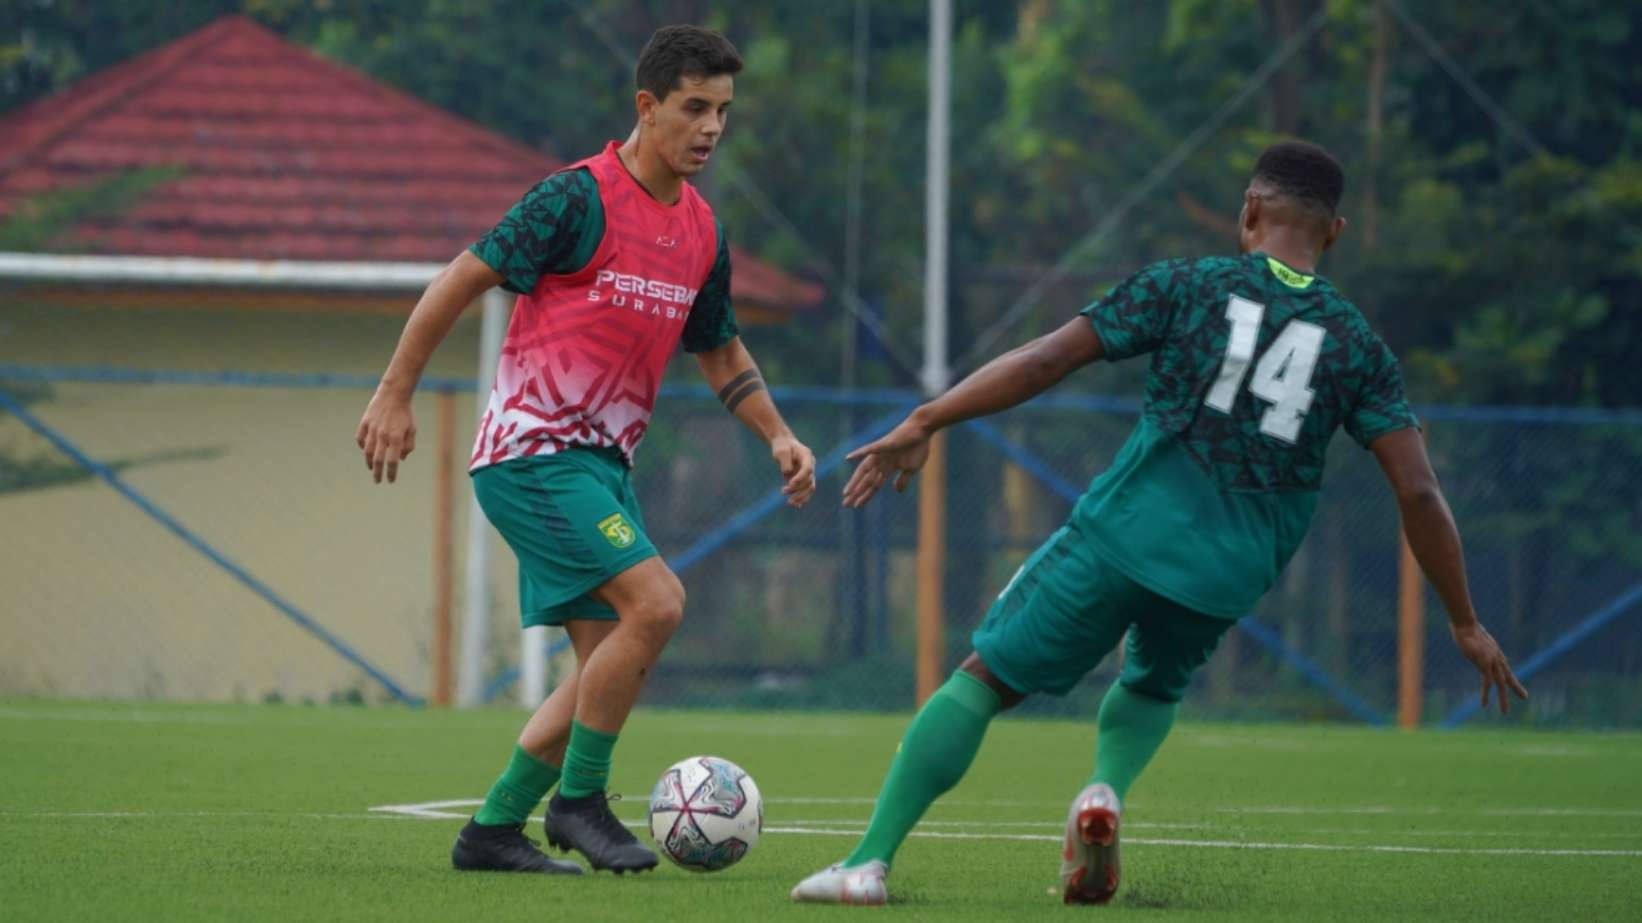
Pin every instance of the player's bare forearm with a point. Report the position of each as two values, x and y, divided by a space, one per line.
1435 541
758 413
734 377
387 431
1428 523
1015 377
450 292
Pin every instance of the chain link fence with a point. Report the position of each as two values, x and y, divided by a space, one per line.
245 555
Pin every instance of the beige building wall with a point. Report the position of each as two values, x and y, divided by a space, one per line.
97 599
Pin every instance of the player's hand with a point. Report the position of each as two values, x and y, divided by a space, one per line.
797 464
386 434
1483 651
903 451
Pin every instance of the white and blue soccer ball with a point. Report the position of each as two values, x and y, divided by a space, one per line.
706 813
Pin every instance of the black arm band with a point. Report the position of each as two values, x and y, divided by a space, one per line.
757 384
736 382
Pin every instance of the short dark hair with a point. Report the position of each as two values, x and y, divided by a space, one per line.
676 51
1305 171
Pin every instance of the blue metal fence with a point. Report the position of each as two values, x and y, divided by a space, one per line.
814 609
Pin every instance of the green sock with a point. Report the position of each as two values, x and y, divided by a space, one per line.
586 762
935 753
518 791
1132 727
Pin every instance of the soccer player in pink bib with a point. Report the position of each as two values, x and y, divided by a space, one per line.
616 261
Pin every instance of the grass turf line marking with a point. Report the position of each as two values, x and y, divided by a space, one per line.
845 826
1259 809
1236 844
1225 828
430 810
855 831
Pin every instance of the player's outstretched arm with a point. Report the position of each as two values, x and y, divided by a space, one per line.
733 376
1013 378
387 432
1435 541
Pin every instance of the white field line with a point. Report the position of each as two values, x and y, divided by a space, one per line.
850 827
437 810
1237 844
1257 809
1227 828
387 813
955 802
432 810
1262 809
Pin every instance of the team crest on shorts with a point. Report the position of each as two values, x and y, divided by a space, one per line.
616 529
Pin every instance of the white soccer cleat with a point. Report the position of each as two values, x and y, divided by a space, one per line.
863 884
1089 860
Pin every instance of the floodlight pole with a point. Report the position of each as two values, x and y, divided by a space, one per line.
932 490
938 143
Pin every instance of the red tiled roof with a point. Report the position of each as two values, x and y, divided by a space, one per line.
285 155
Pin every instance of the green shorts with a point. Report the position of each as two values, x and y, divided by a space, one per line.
573 522
1066 608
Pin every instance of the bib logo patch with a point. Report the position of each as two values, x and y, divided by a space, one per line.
616 529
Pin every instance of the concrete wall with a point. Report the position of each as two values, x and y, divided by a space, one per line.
98 599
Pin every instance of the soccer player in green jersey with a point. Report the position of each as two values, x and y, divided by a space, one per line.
617 262
1256 361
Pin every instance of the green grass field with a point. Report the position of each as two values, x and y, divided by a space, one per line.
150 811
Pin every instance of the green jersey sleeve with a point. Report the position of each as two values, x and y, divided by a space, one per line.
555 229
1381 406
1133 319
711 323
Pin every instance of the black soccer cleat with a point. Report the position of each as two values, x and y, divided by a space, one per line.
586 825
503 848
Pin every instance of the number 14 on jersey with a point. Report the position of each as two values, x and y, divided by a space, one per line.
1283 376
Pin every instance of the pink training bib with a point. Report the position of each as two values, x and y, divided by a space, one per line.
585 352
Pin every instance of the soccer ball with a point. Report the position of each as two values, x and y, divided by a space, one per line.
705 813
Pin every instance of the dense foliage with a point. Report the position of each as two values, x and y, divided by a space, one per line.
1494 155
